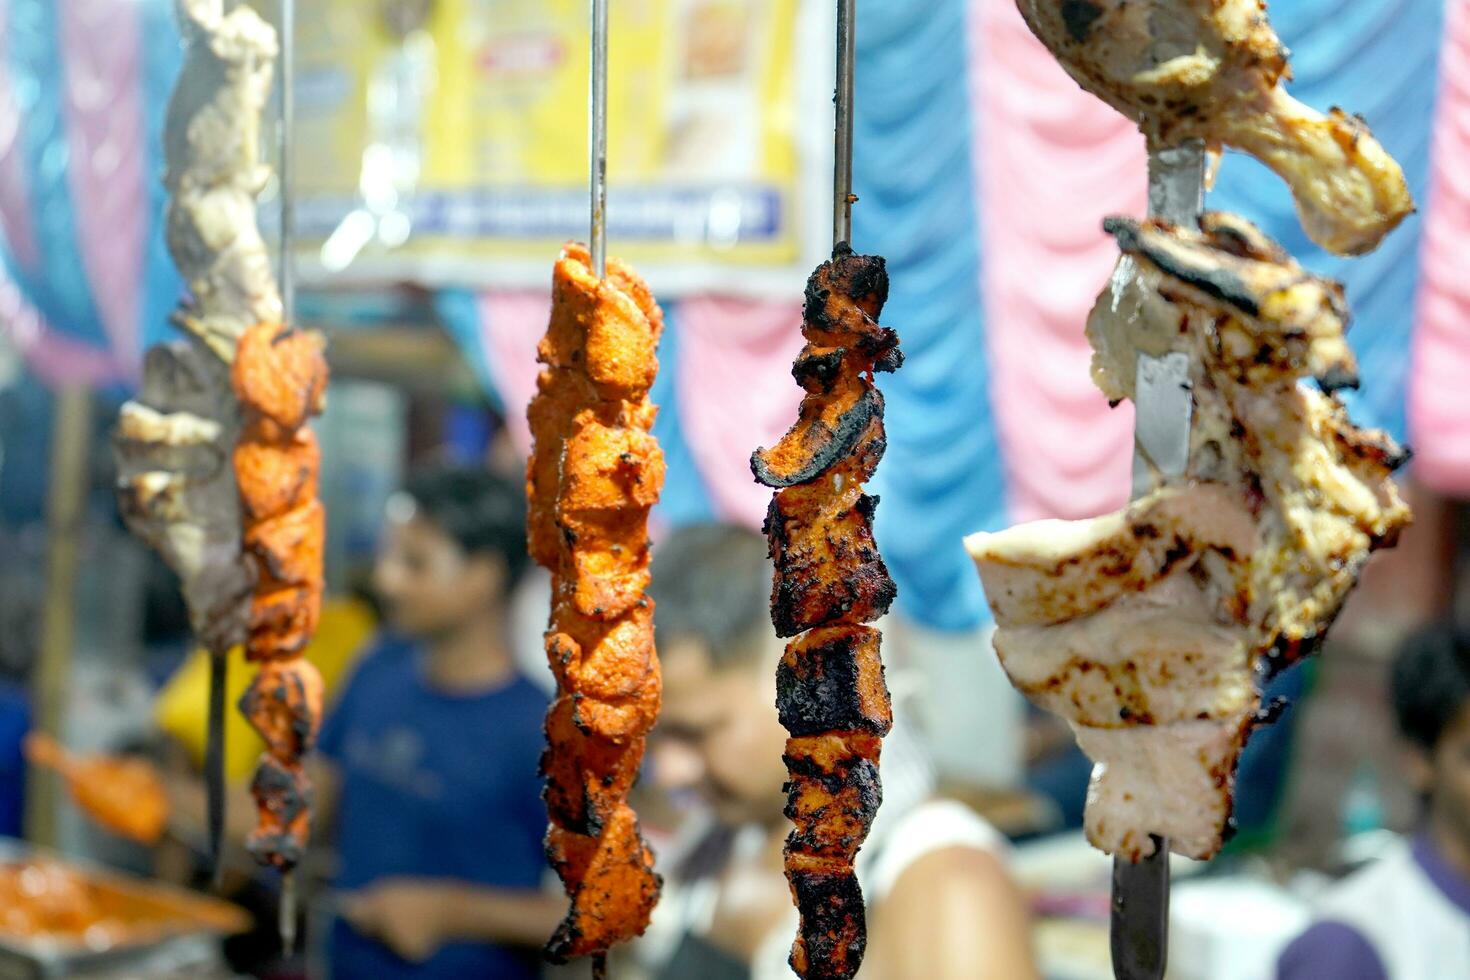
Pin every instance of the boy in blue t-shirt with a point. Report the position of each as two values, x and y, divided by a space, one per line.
432 751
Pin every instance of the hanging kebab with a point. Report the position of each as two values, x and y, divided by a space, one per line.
1257 502
595 471
280 380
174 442
830 579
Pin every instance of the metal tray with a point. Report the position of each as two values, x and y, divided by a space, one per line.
187 944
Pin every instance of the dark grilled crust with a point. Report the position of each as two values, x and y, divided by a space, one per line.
824 435
832 679
828 569
833 934
832 804
281 694
1214 279
829 580
283 798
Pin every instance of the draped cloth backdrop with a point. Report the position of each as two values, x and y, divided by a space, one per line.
983 174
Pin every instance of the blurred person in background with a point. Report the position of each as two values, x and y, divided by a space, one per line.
1407 915
940 901
430 754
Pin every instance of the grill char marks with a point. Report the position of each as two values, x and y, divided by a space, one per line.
829 580
831 679
833 935
595 471
280 377
828 569
1277 321
832 421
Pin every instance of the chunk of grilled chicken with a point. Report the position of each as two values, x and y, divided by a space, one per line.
1133 627
1253 323
1213 70
1284 323
213 170
125 794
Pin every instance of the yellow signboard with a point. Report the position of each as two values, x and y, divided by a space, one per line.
445 141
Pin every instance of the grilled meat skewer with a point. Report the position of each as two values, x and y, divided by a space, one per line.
595 471
829 581
1148 629
280 379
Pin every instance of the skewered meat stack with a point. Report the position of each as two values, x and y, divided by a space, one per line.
1213 70
1149 630
176 488
595 471
829 582
280 379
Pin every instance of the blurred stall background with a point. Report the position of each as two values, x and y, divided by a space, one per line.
440 155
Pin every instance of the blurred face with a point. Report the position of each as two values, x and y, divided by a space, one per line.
1446 777
719 736
427 584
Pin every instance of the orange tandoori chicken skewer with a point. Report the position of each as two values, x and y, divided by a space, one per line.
280 379
829 581
124 794
594 472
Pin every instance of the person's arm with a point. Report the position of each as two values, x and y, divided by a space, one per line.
1330 949
415 916
954 914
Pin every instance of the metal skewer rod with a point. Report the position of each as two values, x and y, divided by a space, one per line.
597 139
842 197
1164 403
288 120
286 919
599 966
214 760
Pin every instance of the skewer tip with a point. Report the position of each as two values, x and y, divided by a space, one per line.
599 966
286 922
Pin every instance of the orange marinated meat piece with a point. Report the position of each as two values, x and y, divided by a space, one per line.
125 795
284 705
615 885
275 477
288 547
283 813
279 373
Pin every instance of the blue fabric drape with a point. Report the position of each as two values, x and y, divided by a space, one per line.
914 177
685 499
58 287
162 59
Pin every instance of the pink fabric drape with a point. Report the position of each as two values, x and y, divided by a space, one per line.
1439 399
1053 161
735 392
102 54
511 324
56 358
